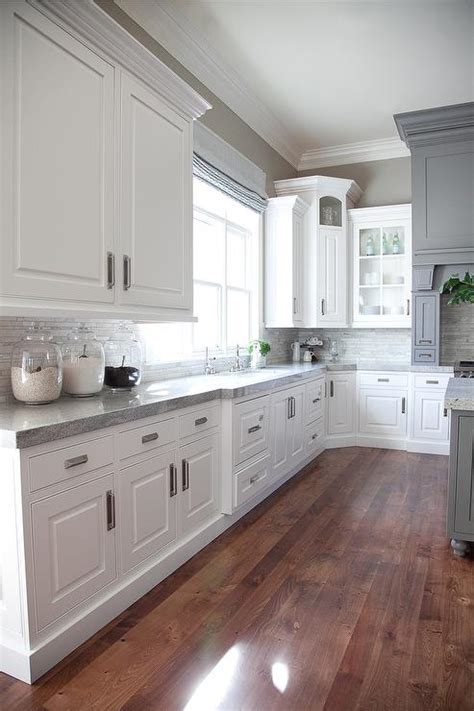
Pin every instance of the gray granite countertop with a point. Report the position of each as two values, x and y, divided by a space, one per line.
459 394
24 426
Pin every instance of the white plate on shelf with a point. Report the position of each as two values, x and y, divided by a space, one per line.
370 310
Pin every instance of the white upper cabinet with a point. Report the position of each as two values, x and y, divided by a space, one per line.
59 163
324 253
156 201
96 167
284 271
381 248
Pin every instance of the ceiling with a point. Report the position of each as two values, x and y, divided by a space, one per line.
314 78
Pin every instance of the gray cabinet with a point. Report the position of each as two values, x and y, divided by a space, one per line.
441 141
425 331
461 481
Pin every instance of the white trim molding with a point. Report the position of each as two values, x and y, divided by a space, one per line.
169 26
346 153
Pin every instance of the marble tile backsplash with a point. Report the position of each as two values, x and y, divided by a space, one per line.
363 344
457 331
14 329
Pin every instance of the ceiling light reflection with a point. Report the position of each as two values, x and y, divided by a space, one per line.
280 676
211 692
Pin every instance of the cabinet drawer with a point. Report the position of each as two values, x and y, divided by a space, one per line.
68 462
432 381
250 428
145 438
199 421
313 437
390 380
424 355
251 480
314 399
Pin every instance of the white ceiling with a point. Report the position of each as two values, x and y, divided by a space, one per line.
311 75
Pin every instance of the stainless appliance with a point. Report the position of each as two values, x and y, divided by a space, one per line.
464 369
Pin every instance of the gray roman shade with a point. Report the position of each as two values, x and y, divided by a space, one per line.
220 165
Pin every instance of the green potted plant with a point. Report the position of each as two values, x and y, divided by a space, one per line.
259 350
460 290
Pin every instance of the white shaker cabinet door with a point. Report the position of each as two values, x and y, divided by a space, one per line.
57 162
280 424
429 420
155 261
382 412
332 277
199 485
148 494
341 391
296 440
74 547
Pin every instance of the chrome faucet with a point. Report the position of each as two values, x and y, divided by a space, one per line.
209 369
238 361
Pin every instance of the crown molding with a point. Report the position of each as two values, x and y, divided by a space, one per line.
320 183
168 25
429 126
361 152
87 22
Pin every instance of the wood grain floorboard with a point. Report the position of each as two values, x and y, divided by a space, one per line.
337 593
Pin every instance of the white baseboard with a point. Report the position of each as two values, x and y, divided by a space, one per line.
337 441
380 442
424 447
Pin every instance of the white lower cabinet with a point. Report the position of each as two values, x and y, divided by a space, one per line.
199 495
287 429
252 479
430 420
341 401
250 428
382 412
148 492
73 547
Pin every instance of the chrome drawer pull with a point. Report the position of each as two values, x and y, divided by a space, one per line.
173 480
200 421
185 475
425 341
318 399
432 382
150 437
127 272
254 478
404 401
75 461
315 436
110 270
383 380
425 355
255 428
110 501
445 413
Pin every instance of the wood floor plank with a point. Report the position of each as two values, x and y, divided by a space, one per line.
339 592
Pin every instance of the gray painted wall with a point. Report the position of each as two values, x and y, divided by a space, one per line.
384 182
220 119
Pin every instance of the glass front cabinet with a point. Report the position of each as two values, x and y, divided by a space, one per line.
381 244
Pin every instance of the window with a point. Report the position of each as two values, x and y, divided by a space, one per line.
226 281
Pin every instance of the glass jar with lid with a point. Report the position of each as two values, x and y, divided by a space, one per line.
123 360
37 368
83 363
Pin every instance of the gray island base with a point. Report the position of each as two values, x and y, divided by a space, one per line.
460 523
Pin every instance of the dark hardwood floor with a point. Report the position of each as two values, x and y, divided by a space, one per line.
339 592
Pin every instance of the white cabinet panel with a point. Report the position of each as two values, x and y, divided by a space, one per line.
74 550
429 421
156 200
332 277
314 437
58 162
250 428
382 412
199 496
148 494
251 480
280 432
341 391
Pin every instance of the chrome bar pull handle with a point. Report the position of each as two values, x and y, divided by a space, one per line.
331 388
408 307
289 409
383 380
127 272
150 437
110 505
426 341
404 405
432 382
173 480
295 310
110 270
200 421
185 475
253 429
323 309
76 461
253 479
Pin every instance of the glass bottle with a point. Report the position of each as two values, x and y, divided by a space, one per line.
396 246
83 363
37 368
123 360
370 247
385 244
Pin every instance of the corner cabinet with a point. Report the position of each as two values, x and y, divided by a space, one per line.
381 259
324 250
96 141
